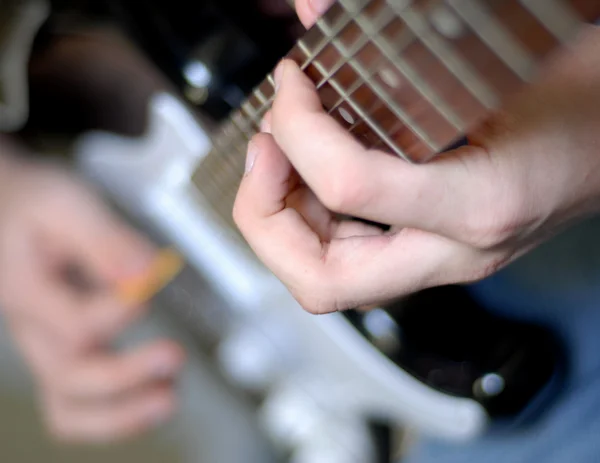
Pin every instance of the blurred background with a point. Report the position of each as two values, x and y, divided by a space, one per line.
264 382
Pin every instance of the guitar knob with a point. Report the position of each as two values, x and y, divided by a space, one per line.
257 353
289 414
303 416
248 359
345 439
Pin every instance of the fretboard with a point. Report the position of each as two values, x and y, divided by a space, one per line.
407 77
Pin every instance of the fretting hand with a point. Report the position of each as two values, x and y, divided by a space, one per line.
529 173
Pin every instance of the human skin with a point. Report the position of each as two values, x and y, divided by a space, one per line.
531 171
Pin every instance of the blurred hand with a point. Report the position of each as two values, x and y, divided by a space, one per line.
530 172
61 255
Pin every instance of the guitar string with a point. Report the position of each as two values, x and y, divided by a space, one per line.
447 55
208 187
365 77
492 32
560 19
326 32
308 61
483 21
395 59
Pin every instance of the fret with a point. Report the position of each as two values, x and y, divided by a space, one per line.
340 20
495 35
445 83
398 111
393 53
361 113
452 60
486 65
261 98
254 106
424 114
310 54
379 23
558 18
375 8
379 91
251 115
524 27
352 6
242 124
403 75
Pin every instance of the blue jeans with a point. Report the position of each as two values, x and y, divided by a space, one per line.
557 284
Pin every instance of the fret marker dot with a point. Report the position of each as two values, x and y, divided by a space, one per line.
446 22
389 77
346 115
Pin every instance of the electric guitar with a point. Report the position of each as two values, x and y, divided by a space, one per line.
411 77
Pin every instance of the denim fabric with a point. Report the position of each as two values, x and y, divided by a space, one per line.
557 284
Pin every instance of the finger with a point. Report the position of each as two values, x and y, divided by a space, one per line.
261 201
102 424
310 10
347 178
39 350
46 303
257 201
84 229
334 275
107 377
41 302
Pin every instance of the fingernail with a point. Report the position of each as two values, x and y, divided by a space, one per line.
279 70
251 156
320 6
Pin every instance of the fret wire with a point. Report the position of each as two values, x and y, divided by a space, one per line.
261 97
453 62
491 31
381 22
399 112
326 39
394 107
359 82
246 134
249 110
338 27
393 55
373 124
560 19
383 95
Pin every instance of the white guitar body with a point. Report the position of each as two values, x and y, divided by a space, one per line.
321 377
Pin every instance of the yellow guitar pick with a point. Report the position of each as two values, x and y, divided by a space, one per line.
141 288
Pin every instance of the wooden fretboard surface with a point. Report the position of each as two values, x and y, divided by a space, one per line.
407 77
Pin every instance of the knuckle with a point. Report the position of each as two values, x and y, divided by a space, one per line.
342 190
316 294
496 225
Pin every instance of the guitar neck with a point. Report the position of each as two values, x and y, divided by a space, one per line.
407 77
